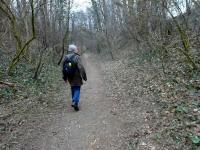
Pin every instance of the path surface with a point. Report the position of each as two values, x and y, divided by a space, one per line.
93 127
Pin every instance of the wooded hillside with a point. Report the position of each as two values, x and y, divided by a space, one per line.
158 39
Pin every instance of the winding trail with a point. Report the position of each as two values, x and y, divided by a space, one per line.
93 127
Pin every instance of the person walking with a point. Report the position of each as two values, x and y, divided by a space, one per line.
74 73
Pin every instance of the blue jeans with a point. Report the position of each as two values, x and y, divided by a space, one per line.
75 91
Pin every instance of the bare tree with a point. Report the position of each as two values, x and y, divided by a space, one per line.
21 47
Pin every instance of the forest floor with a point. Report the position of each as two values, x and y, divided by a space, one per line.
119 110
98 124
93 127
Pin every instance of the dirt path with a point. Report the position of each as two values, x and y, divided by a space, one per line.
93 127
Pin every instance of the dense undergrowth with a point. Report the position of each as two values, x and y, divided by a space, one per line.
169 94
25 99
178 89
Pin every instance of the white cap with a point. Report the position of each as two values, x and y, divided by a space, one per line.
72 48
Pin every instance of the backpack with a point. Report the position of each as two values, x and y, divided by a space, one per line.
69 66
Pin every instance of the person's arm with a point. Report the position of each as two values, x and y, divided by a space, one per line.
64 76
81 68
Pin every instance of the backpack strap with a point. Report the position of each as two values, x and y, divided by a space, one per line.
69 58
72 57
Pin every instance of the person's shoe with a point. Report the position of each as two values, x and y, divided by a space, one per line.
76 108
73 105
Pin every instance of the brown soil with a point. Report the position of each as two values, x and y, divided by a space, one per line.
93 127
106 121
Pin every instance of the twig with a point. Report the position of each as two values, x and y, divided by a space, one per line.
7 83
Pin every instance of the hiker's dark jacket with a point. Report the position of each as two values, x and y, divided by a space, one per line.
80 74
